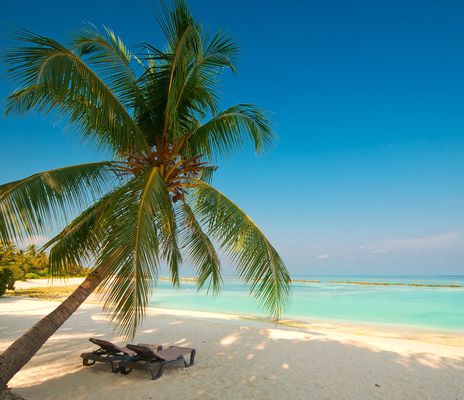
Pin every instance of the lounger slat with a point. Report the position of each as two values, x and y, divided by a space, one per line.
111 347
155 361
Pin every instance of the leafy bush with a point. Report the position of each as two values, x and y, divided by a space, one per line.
18 272
31 275
10 280
31 263
6 280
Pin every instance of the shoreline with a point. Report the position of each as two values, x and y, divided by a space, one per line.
422 334
237 357
311 323
362 328
303 321
291 321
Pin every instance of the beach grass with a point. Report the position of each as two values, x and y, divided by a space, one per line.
52 293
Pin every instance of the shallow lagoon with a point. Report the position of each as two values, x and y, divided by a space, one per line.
429 307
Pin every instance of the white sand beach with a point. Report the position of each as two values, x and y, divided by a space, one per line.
239 359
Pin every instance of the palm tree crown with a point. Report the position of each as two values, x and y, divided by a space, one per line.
157 112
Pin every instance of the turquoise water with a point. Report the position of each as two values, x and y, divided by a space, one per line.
427 307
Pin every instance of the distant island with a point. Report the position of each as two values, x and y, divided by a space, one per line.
183 280
366 283
445 285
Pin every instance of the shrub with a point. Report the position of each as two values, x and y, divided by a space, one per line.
2 284
18 272
6 280
31 275
10 280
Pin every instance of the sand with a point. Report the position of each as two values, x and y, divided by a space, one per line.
240 359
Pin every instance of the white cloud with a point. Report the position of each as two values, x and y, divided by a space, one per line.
323 256
449 239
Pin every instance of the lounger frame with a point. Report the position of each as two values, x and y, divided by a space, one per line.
153 364
109 353
103 356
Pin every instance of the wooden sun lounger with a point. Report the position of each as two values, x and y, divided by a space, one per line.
150 359
108 353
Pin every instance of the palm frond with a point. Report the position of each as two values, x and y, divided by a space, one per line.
194 61
54 79
130 252
220 51
257 262
206 174
196 90
80 241
112 60
183 35
34 204
166 225
174 22
226 131
201 251
149 113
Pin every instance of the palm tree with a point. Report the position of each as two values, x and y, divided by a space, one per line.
31 250
41 259
7 250
152 204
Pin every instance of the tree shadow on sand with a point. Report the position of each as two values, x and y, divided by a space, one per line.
235 361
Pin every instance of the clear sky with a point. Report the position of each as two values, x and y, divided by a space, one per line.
367 98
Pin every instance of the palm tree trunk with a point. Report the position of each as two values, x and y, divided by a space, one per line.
18 354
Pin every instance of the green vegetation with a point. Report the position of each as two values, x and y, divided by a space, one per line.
30 263
22 262
6 280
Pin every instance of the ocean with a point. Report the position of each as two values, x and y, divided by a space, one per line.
440 308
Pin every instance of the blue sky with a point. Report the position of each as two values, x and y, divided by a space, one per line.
367 99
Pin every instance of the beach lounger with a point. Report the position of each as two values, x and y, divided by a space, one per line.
150 359
108 353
